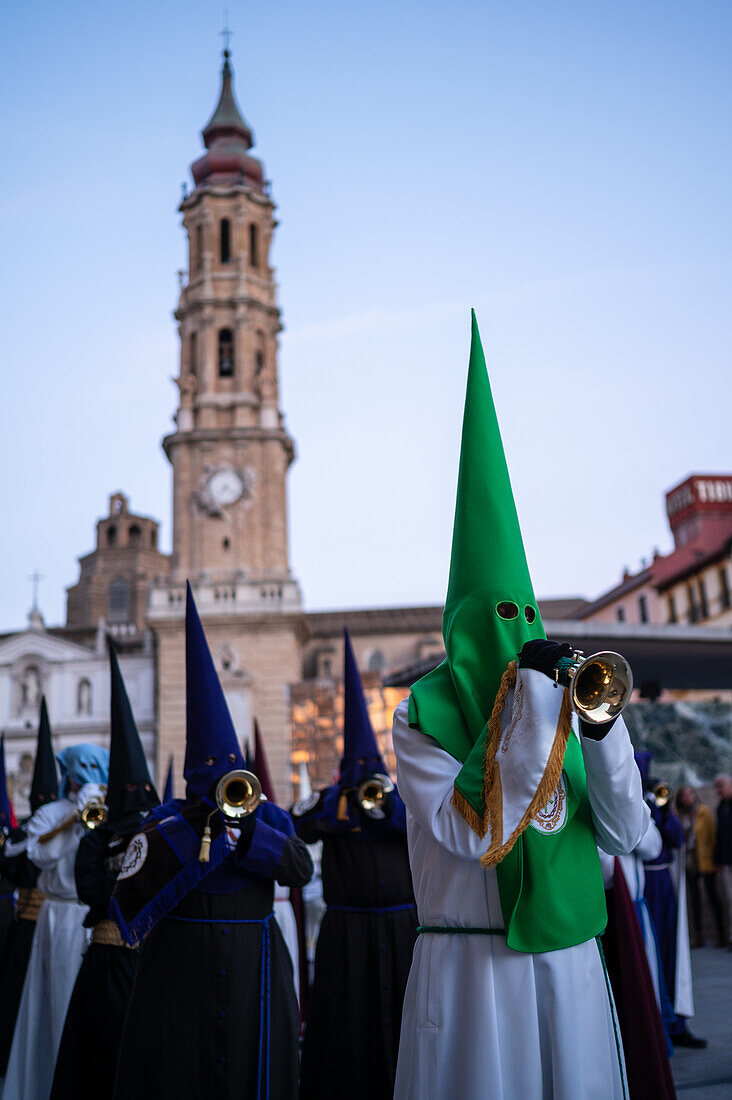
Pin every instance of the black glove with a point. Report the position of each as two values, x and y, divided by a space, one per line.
543 655
246 826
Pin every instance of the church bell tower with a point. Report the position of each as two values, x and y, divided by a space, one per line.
230 452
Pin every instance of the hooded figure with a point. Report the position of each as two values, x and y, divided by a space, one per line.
368 931
17 867
54 833
7 888
87 1057
213 1011
665 895
507 994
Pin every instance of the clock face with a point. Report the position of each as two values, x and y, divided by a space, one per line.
225 486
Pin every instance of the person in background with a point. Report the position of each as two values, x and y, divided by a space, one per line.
367 936
665 892
24 875
723 845
213 1010
700 832
87 1057
54 833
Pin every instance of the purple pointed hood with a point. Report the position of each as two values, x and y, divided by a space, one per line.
361 754
212 748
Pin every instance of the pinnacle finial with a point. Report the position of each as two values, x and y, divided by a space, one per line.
226 34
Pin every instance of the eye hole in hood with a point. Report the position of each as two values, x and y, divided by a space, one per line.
506 609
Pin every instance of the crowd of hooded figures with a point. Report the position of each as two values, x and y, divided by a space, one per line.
510 923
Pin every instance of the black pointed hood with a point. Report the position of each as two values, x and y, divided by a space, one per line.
44 786
127 763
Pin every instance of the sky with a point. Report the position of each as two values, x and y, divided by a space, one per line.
563 167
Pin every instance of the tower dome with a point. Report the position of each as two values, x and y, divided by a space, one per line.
228 139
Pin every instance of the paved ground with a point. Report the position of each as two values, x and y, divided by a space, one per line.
707 1074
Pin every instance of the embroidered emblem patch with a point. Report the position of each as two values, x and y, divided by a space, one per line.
308 803
135 856
552 817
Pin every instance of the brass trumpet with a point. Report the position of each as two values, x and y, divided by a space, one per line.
372 791
661 793
94 814
600 686
238 794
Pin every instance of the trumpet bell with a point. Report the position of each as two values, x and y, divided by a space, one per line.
373 790
662 793
93 815
601 686
238 793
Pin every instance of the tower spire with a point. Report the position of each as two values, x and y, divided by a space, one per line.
228 138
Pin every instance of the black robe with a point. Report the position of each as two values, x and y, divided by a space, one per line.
23 874
213 1011
362 959
87 1058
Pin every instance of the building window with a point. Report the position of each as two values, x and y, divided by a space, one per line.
377 661
193 353
111 535
724 597
119 599
225 241
198 252
692 613
253 244
620 614
643 609
671 608
226 353
703 605
154 539
135 535
258 363
84 697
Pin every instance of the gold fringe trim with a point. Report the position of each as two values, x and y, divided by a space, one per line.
492 789
471 815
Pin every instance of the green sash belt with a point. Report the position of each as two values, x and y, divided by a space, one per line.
444 930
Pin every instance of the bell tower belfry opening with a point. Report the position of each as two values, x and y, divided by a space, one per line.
230 450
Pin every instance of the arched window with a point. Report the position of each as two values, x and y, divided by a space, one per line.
193 353
154 538
225 241
226 353
253 244
111 535
83 697
119 599
258 362
377 661
198 253
135 535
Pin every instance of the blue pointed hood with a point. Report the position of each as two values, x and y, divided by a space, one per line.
361 754
212 748
168 789
7 817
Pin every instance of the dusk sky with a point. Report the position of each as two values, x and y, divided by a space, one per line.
562 167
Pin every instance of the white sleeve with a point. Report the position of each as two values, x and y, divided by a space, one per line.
615 791
47 855
425 776
651 844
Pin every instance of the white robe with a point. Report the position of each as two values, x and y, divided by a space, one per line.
480 1021
285 917
59 943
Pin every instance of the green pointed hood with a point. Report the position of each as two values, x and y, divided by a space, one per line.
489 578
